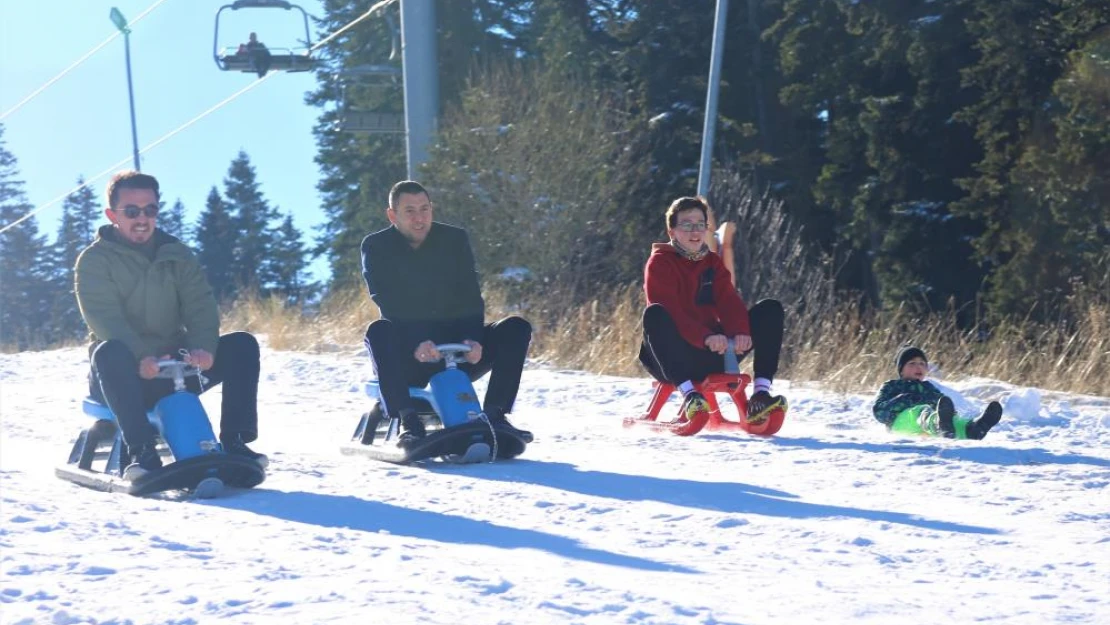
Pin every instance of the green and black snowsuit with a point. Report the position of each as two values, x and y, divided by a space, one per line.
910 407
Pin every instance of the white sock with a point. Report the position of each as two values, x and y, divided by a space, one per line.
687 387
761 384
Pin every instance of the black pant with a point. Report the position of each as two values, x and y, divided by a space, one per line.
115 381
504 347
670 358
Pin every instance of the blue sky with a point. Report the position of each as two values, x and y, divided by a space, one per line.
81 125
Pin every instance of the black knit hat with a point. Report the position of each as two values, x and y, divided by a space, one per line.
907 354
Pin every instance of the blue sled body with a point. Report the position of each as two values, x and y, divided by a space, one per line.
449 393
457 429
180 420
196 460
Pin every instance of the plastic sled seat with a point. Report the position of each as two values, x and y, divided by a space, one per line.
103 441
373 391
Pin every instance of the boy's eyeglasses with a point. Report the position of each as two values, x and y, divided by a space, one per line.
132 212
699 226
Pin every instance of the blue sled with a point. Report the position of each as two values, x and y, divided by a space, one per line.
457 429
195 459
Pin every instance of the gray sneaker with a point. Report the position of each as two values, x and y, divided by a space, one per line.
147 459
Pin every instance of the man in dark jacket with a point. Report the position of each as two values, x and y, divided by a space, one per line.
145 298
421 275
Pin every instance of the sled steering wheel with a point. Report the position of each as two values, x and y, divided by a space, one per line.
176 370
452 353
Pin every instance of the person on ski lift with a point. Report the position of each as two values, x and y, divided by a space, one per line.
145 298
911 404
258 55
694 310
421 275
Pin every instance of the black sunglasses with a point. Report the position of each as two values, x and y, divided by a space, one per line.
132 212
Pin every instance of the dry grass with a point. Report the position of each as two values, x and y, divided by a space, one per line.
840 347
338 323
854 352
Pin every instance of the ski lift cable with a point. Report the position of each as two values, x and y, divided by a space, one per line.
179 129
79 61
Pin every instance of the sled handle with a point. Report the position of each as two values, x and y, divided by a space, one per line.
732 362
452 353
176 370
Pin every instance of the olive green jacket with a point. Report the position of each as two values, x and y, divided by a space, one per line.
154 306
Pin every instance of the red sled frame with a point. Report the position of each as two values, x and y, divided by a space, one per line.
733 384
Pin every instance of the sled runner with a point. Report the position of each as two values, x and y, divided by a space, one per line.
196 461
457 429
733 385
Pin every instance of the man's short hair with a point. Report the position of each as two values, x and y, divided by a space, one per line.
130 179
406 186
684 204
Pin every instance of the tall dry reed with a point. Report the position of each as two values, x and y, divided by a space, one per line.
842 347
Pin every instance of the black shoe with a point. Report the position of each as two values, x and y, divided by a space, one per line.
946 413
235 446
146 460
978 428
412 428
761 404
497 417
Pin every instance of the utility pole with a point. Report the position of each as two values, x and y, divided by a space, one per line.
418 58
710 126
121 23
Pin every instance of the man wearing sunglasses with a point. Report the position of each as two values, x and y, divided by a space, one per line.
145 298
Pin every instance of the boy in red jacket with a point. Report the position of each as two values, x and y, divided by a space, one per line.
693 311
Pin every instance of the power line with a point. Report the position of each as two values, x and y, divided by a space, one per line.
79 61
206 113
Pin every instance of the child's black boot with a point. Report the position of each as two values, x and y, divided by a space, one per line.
978 428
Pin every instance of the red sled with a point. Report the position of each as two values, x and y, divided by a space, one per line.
731 383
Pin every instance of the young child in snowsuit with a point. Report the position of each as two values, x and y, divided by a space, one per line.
912 405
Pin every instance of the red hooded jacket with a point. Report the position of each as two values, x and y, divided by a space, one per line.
697 293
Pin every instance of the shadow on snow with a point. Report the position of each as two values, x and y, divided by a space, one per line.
732 497
972 452
348 512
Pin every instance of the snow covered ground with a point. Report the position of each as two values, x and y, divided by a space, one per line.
832 521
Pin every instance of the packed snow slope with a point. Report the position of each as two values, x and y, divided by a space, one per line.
832 521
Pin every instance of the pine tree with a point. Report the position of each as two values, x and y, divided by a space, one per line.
215 241
172 221
358 171
871 152
253 223
1039 187
25 276
288 263
80 212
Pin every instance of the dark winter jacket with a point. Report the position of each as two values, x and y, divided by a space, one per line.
898 395
154 306
428 293
698 294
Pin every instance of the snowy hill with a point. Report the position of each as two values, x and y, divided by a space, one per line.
832 521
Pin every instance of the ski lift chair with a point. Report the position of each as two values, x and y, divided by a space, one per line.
284 59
